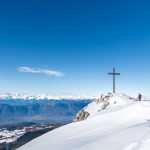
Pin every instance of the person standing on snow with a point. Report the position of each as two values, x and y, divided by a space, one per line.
139 97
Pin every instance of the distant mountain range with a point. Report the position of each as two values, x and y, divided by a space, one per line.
24 109
7 96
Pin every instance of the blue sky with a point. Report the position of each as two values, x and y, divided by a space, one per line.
81 40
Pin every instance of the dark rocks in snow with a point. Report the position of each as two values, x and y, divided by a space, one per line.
82 115
104 99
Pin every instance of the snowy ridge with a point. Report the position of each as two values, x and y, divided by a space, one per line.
44 96
114 101
123 125
105 101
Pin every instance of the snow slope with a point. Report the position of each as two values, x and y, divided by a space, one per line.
123 125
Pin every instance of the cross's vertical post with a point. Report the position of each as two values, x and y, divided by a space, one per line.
114 82
114 74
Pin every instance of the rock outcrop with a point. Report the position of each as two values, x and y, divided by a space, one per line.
101 103
82 115
104 100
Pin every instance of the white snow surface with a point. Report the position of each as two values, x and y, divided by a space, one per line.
124 125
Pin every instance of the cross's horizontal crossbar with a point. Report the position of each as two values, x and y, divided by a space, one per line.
114 73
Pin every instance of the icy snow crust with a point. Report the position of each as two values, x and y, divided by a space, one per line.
123 125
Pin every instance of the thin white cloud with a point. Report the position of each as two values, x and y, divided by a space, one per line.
44 71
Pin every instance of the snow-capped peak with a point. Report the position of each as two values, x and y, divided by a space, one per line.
44 96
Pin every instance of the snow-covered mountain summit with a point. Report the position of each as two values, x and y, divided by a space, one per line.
105 101
114 122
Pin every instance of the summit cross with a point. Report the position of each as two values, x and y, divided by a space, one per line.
114 74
